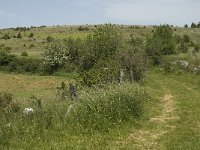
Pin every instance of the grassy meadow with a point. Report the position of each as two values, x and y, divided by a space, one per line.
160 112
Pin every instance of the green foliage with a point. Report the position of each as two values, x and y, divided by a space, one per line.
74 47
160 43
182 47
19 35
106 41
55 56
81 28
133 59
104 72
193 25
24 54
31 35
5 37
186 26
5 48
24 65
5 58
49 39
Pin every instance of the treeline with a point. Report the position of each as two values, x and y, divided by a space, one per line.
193 25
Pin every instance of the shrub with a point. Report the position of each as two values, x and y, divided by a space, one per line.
5 58
19 35
31 46
24 54
5 37
182 47
31 35
55 56
80 28
160 43
24 65
133 59
49 39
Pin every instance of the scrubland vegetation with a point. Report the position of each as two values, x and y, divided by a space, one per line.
137 87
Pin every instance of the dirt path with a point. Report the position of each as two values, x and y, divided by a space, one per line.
162 124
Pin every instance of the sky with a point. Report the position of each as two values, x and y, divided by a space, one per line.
14 13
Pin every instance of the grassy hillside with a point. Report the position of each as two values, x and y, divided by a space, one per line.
19 45
157 110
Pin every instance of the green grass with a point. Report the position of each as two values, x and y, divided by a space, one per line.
170 120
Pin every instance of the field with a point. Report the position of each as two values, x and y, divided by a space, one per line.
165 113
61 32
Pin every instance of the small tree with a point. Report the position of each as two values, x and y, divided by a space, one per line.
31 35
193 25
198 25
160 43
186 26
55 56
19 35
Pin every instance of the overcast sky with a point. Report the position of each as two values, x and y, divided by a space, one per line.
15 13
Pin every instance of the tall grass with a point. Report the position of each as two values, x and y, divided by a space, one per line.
95 110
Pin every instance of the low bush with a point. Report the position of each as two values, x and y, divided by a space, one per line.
24 54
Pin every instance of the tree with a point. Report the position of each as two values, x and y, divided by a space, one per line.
55 56
186 26
101 45
106 41
160 43
198 25
193 25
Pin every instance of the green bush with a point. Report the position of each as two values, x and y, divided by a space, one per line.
24 65
5 58
104 72
19 35
182 47
24 54
5 37
160 43
31 35
31 46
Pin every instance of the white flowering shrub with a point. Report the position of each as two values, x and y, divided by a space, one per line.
55 55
